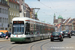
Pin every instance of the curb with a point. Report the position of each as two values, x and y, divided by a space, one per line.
4 40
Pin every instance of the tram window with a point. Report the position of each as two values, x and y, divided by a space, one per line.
18 28
42 29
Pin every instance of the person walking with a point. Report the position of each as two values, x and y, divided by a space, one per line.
7 35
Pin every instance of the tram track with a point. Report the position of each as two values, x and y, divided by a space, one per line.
43 45
22 44
31 48
8 47
12 47
34 45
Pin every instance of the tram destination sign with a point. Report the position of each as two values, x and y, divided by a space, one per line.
18 22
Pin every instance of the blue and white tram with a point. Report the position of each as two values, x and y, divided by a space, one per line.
27 30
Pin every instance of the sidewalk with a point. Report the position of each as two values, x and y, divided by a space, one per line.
3 39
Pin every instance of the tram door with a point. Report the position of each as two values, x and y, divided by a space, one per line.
27 30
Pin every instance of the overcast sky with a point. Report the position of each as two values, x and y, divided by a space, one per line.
65 8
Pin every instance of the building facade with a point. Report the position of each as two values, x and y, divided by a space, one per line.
27 11
64 24
73 24
13 11
3 15
59 20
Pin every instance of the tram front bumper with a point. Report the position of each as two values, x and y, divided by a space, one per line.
17 39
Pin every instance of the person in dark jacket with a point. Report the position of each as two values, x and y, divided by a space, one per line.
7 35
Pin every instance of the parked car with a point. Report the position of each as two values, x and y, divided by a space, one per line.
56 36
72 32
4 34
1 34
66 34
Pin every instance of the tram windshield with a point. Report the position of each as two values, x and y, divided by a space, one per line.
18 28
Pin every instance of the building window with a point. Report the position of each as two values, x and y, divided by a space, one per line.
3 20
17 14
14 6
6 12
3 10
3 1
10 5
0 19
17 7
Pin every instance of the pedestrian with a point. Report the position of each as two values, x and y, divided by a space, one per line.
7 35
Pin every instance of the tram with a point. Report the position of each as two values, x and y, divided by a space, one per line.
27 30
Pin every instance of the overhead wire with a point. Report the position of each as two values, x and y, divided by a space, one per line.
46 5
56 11
50 7
43 11
53 7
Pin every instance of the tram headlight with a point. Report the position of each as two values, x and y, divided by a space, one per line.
12 36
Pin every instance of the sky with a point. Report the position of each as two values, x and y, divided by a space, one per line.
65 8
